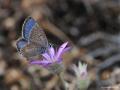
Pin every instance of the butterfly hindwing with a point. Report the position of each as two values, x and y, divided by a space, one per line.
29 23
31 50
21 43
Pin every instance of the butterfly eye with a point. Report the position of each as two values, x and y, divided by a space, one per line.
50 45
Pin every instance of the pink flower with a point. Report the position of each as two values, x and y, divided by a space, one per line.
82 80
81 70
52 57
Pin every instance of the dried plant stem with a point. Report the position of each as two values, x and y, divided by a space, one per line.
62 81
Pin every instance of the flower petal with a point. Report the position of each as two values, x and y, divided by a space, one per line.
61 49
42 63
46 56
66 49
82 67
59 60
51 52
76 70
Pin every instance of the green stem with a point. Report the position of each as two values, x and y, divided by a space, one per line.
62 81
31 86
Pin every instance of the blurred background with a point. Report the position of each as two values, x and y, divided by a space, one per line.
92 28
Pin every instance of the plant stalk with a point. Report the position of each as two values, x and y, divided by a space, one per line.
62 81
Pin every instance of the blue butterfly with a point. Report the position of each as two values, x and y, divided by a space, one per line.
34 41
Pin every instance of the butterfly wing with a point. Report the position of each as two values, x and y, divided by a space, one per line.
29 23
38 37
28 50
31 50
35 41
21 43
33 33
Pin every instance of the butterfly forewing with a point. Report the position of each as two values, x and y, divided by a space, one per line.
38 37
29 23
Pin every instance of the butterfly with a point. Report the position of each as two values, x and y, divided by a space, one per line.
33 41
